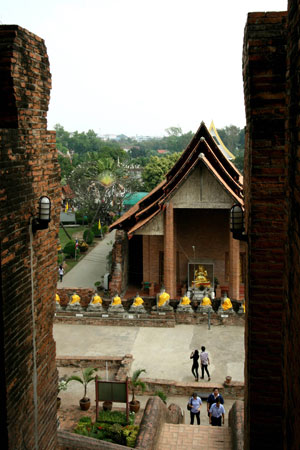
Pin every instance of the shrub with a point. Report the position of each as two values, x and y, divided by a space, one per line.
69 249
105 229
88 236
112 417
161 395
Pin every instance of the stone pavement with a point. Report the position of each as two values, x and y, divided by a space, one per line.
91 268
188 437
163 352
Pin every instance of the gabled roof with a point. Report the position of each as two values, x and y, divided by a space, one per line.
202 149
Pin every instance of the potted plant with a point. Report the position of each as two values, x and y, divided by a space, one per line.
134 405
62 386
87 376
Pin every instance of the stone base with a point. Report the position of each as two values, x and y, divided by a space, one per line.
227 311
204 309
119 309
75 307
137 309
58 307
185 309
95 308
165 308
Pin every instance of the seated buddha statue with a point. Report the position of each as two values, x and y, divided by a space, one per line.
163 299
116 301
97 300
206 301
185 301
201 277
74 299
57 299
226 305
138 301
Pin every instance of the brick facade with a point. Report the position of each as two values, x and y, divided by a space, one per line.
271 85
28 169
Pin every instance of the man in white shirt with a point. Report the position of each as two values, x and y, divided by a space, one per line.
204 363
216 413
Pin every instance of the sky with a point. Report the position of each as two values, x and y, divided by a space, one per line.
137 67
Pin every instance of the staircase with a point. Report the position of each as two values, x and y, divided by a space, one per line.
194 437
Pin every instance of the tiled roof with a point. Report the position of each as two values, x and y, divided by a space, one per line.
201 149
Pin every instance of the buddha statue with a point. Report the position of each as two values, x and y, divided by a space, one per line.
96 300
74 303
205 305
226 305
185 301
185 304
57 302
201 278
206 301
116 305
75 299
138 301
137 305
163 299
116 301
95 303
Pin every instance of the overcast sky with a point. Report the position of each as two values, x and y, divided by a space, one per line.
141 66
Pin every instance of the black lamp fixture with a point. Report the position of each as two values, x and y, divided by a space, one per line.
237 223
44 216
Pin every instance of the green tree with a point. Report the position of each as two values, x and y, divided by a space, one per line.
157 168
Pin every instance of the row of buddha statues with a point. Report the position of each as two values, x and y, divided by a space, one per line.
162 304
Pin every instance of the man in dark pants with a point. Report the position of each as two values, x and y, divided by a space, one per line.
195 404
216 413
212 399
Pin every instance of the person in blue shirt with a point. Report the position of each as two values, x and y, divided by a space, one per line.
217 414
195 404
212 399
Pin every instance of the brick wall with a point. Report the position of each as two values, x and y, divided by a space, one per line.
28 169
118 280
291 341
264 70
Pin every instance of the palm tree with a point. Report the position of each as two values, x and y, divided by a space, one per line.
136 383
87 376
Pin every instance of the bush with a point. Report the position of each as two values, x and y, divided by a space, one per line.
69 249
88 236
112 417
105 229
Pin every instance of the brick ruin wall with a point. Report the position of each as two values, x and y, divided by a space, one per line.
264 71
291 341
272 184
28 170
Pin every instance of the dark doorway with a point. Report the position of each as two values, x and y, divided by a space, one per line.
135 269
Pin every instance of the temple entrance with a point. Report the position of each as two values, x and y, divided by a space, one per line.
135 262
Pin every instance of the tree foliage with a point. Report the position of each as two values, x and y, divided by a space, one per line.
234 139
157 168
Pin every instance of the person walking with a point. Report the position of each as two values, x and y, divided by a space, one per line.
61 273
204 363
217 413
195 366
212 399
195 403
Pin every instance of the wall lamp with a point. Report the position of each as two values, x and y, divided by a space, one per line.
237 223
44 216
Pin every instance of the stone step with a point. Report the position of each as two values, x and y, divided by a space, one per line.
194 437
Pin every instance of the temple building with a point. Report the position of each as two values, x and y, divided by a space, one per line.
178 235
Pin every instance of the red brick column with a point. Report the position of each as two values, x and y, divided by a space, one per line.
264 70
28 170
146 258
234 268
169 252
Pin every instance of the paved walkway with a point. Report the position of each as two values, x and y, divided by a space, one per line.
91 268
193 437
163 352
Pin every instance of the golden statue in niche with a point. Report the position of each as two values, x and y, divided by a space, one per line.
201 278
